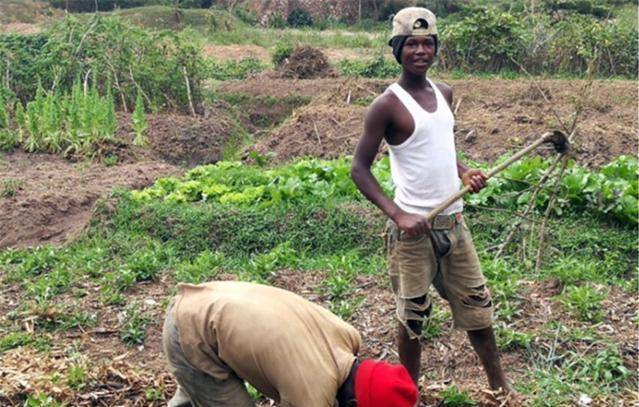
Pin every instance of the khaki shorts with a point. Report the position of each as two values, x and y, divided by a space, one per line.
416 262
197 388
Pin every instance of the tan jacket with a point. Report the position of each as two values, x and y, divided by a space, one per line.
288 348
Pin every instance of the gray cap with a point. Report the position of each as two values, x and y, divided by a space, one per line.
414 21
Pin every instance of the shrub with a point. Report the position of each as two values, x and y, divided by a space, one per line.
281 53
276 20
299 17
484 41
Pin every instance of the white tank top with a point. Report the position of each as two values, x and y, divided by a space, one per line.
424 167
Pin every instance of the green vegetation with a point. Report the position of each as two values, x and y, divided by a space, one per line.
379 67
77 123
108 5
138 122
133 331
232 69
453 397
611 192
585 302
119 58
9 187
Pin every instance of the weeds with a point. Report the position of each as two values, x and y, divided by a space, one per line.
585 302
433 327
133 325
76 377
10 187
453 397
509 339
138 122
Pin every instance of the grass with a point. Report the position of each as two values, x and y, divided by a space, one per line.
9 187
453 397
162 239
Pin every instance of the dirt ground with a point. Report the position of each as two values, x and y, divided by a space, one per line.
54 198
121 374
494 117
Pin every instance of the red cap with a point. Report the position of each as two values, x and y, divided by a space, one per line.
380 384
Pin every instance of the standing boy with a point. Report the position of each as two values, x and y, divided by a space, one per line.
414 117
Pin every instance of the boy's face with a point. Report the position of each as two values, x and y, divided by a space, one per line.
418 54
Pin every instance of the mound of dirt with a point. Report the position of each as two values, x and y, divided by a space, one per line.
52 199
178 139
494 117
55 198
305 63
325 128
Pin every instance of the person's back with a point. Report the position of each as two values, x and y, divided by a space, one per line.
288 348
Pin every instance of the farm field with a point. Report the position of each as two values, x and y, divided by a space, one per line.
245 176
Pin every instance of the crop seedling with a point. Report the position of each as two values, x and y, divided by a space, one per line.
10 187
154 394
76 377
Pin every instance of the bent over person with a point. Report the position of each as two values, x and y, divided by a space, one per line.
414 117
220 334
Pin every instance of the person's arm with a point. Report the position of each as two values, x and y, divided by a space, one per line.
376 122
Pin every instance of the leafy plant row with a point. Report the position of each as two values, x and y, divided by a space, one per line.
611 192
77 123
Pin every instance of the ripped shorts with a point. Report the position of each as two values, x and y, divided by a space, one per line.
448 260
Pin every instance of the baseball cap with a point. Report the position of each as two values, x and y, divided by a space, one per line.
412 21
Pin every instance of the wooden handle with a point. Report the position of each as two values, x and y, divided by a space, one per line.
496 170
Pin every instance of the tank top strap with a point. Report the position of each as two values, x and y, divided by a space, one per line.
441 100
408 101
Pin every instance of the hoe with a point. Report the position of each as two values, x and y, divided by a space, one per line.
557 138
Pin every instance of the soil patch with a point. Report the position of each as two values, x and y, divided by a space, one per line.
494 117
236 52
178 139
55 198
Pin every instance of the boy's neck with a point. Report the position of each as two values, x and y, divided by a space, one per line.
410 81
